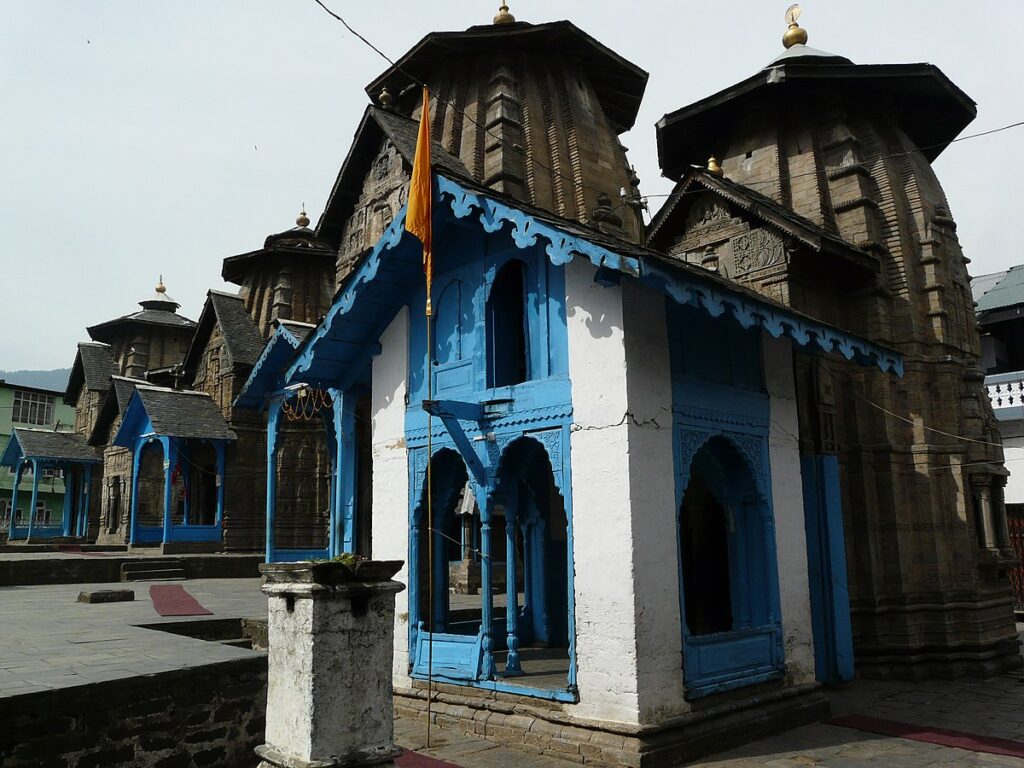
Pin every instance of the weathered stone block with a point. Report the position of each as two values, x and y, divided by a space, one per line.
107 596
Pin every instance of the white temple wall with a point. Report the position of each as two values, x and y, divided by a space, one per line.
653 499
391 473
603 547
788 507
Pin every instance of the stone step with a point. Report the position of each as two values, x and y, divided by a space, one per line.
153 569
164 575
240 642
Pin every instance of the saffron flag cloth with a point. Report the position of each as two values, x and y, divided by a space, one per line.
418 214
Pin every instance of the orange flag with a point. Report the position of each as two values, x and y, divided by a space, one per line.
418 214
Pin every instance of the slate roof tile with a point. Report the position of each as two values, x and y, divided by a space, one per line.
45 443
178 413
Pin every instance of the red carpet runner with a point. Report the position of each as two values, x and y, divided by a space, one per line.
173 600
943 737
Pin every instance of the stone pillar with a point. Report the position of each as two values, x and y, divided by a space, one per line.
331 636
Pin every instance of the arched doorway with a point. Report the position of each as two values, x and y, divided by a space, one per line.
149 489
530 511
729 582
449 486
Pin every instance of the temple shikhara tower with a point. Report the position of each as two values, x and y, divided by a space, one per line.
824 198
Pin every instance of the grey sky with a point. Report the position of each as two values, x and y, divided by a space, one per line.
140 138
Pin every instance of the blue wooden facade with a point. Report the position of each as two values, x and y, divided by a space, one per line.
41 450
497 424
185 435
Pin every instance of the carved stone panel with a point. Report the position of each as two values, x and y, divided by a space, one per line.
756 250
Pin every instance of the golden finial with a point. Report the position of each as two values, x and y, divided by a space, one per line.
795 34
714 168
302 219
385 99
160 287
504 17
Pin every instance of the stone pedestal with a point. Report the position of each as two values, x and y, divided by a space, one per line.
331 634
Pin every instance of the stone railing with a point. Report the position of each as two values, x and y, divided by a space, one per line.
1006 391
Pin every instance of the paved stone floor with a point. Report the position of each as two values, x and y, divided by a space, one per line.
48 640
991 708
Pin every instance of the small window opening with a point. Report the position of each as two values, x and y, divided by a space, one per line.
506 320
750 153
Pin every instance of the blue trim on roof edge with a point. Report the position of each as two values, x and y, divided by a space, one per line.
563 247
281 332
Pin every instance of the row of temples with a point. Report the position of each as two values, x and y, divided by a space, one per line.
699 465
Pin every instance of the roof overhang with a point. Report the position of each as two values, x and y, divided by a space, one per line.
345 341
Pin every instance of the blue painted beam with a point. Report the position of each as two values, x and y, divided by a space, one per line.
459 436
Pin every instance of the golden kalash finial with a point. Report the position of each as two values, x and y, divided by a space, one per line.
504 17
160 287
302 219
795 34
714 168
385 99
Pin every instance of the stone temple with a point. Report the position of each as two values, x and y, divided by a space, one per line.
654 483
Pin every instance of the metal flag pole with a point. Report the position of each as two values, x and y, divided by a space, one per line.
430 520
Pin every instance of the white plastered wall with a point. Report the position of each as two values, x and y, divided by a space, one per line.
606 652
391 473
788 507
653 500
623 500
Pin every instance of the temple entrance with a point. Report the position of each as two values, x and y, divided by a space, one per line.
149 489
302 492
457 608
201 488
529 511
731 626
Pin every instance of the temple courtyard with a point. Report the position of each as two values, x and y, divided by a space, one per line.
56 653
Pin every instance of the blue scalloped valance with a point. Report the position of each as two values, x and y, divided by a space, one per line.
683 284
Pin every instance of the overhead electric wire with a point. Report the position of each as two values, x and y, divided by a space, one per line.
518 148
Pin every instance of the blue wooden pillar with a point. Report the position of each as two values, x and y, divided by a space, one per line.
219 448
186 485
539 608
14 499
414 574
440 617
273 418
69 488
35 496
343 519
140 445
488 669
170 459
512 666
826 565
83 515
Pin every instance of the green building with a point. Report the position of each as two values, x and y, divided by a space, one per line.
36 408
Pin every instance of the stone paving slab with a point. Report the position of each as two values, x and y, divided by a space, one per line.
49 640
993 707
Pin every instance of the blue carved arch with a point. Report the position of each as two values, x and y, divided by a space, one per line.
748 648
750 448
551 441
